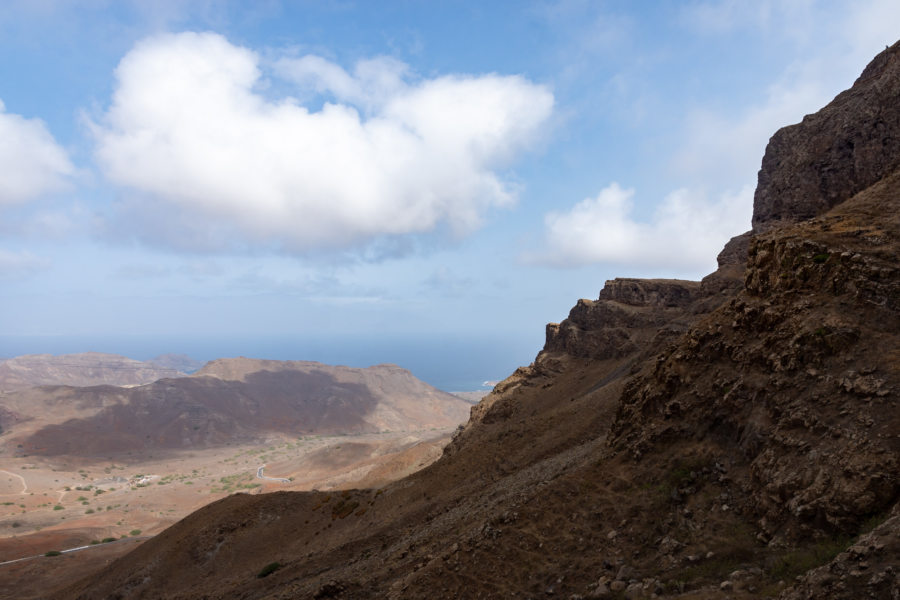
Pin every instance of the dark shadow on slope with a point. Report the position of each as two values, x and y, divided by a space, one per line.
201 412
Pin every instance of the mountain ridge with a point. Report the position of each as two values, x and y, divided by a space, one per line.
82 369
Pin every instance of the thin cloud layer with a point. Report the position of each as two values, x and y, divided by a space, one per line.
18 265
686 232
190 131
31 161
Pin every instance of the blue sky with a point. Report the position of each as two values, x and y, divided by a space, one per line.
386 170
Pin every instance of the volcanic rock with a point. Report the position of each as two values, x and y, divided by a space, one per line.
835 153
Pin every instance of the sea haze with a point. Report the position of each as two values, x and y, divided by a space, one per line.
449 364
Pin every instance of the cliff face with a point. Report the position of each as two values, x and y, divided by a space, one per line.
622 320
832 155
636 315
734 438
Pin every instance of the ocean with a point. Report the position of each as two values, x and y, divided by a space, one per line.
453 364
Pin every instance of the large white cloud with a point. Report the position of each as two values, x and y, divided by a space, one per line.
31 162
685 233
190 126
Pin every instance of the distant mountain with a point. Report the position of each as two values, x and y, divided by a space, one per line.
228 401
88 368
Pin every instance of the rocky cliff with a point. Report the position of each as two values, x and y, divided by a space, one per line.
836 153
733 438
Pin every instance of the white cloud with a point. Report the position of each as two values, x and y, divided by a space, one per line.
372 85
725 16
31 161
189 130
686 232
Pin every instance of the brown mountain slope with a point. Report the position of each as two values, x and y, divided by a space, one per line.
88 368
712 440
229 401
801 372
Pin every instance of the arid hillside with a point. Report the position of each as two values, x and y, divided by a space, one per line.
88 368
734 438
121 464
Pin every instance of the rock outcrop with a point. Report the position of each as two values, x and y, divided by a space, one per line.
835 153
631 315
624 319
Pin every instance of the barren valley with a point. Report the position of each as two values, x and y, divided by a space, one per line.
52 502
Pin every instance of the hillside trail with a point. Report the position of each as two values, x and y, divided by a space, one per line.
22 479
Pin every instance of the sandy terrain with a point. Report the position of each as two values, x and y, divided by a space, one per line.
57 504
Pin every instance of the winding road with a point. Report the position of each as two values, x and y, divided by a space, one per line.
77 549
259 475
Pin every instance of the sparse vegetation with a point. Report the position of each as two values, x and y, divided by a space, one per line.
52 553
793 563
344 508
268 569
232 483
873 522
